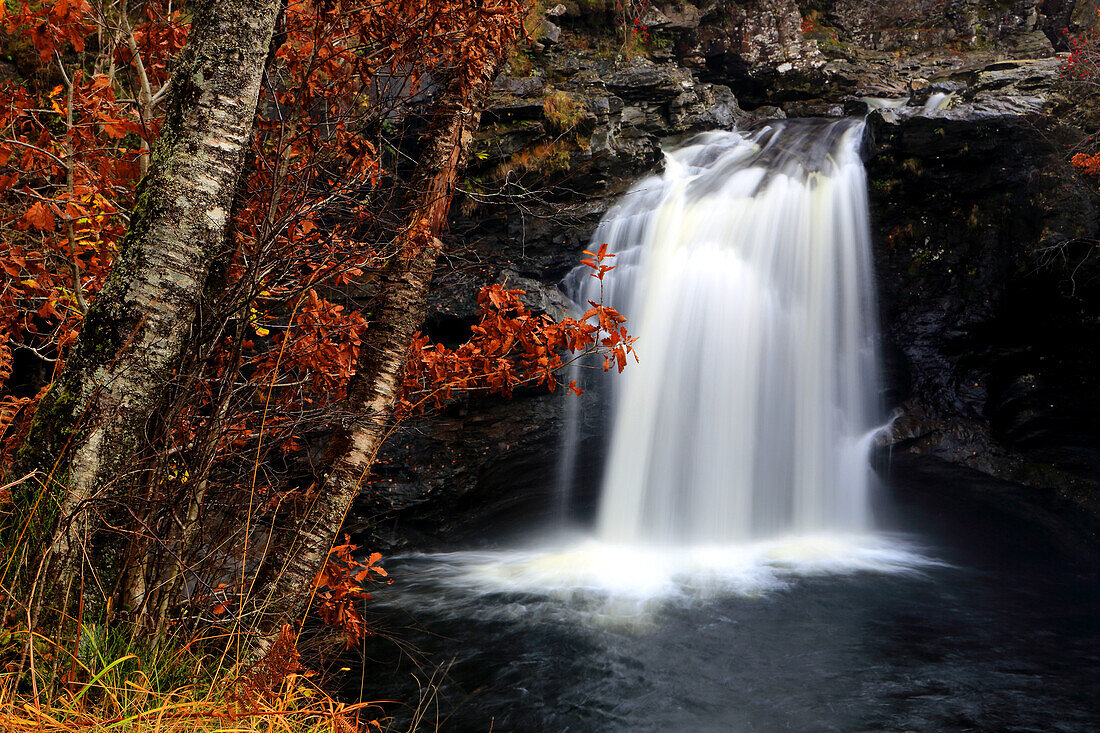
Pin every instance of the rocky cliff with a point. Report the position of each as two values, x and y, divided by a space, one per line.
984 237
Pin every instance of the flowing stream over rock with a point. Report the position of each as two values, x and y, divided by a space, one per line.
744 272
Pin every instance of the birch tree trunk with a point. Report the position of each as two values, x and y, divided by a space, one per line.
299 548
89 432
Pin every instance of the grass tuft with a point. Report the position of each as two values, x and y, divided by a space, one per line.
562 112
169 692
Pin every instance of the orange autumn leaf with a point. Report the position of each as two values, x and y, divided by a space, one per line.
38 216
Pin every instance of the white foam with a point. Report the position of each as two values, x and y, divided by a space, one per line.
617 583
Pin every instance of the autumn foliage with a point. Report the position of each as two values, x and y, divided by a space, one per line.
511 347
340 589
321 212
1081 72
74 138
1082 65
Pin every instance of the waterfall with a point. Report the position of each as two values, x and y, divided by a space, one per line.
744 271
738 450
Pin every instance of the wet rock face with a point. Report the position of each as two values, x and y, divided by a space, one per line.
552 157
776 51
971 217
1072 15
918 25
480 471
750 42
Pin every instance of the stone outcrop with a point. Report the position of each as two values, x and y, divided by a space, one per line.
989 334
922 25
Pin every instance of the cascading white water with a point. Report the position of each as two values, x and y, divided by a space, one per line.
738 454
744 271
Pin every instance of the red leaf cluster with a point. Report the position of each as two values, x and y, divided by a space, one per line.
1083 63
71 155
511 347
338 590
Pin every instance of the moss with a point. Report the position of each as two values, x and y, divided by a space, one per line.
975 221
884 186
532 22
911 165
832 47
520 62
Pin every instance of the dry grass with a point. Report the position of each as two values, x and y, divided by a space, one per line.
185 716
532 21
562 112
543 159
119 677
129 693
299 708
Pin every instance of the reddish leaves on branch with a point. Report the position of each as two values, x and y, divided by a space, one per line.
631 14
342 69
1083 63
73 152
511 347
75 136
339 590
70 153
1087 164
54 26
1082 68
323 350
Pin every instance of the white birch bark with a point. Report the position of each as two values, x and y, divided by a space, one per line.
298 551
90 428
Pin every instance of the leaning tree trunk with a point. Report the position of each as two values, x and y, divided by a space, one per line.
298 551
91 425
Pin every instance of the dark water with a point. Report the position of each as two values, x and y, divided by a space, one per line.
1005 636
